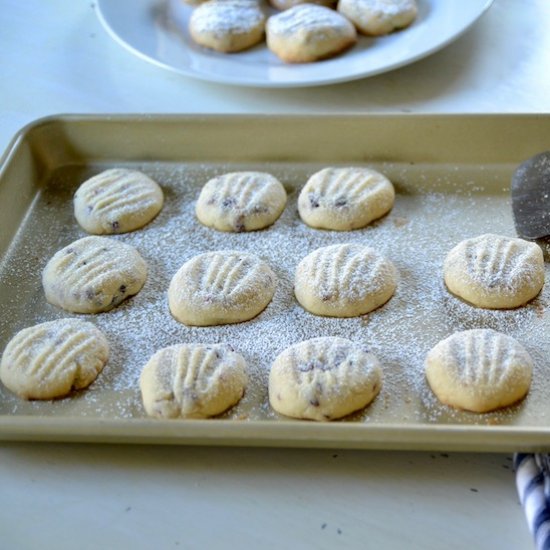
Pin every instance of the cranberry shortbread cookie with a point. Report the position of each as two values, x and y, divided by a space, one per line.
345 198
379 17
192 381
241 201
49 360
93 274
221 287
117 201
344 280
479 370
228 25
308 32
495 272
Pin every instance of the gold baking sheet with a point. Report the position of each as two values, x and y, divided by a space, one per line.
452 176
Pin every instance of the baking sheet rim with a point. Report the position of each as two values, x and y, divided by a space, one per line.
280 433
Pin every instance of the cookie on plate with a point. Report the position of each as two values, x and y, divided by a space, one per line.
221 287
192 381
241 201
495 272
308 32
228 25
117 201
379 17
345 198
479 370
323 379
93 274
344 280
49 360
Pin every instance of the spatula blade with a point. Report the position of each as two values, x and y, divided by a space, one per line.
531 197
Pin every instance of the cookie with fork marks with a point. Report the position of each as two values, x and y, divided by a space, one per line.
93 274
221 287
50 360
241 201
192 381
479 370
117 201
495 272
344 280
309 32
347 198
323 379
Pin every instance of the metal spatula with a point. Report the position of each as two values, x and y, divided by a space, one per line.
531 197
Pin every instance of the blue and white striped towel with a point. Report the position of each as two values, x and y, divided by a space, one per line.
533 484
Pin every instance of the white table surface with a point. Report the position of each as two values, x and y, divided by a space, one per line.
56 58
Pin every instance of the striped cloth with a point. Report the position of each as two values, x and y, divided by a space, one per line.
533 484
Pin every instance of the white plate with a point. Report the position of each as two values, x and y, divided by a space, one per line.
156 30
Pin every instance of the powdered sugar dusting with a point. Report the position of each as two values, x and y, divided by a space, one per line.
227 16
389 8
457 202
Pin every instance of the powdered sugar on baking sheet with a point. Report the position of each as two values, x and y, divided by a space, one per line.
436 207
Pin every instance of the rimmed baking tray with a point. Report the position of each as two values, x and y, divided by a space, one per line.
452 175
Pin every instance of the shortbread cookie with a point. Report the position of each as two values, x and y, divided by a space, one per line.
344 280
378 17
227 25
93 274
495 272
241 201
221 287
117 201
479 370
308 32
345 198
192 381
323 379
51 359
287 4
